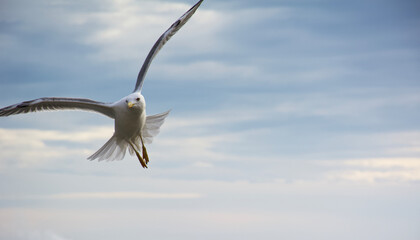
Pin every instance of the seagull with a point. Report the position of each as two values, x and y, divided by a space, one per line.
133 129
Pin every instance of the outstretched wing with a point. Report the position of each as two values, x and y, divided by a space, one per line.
161 41
41 104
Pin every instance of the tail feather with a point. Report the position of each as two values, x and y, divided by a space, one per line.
113 149
152 126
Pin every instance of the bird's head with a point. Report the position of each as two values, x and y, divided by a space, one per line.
135 101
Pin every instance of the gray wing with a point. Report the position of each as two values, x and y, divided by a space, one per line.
161 41
41 104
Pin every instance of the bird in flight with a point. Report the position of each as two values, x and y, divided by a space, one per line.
133 129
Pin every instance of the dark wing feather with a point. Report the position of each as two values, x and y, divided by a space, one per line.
161 41
41 104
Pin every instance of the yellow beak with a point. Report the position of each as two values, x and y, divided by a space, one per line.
130 104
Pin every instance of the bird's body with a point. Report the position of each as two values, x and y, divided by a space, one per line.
133 128
130 121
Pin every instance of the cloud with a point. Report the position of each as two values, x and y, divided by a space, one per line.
377 170
33 147
202 145
231 208
196 140
118 32
105 195
122 195
377 176
385 163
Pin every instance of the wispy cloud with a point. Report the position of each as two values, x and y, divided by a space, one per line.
33 147
377 170
106 195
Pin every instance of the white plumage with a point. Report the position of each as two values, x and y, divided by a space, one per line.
133 128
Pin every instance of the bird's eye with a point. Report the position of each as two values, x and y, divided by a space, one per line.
126 101
138 99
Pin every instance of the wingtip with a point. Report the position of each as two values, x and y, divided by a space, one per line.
195 6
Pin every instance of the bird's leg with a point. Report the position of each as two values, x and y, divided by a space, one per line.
145 156
142 162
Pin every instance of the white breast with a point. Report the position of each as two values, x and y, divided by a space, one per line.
129 121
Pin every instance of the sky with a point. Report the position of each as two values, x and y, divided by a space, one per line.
290 119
